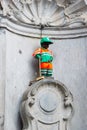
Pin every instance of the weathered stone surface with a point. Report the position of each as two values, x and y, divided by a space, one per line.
17 67
70 57
47 105
2 76
55 18
48 13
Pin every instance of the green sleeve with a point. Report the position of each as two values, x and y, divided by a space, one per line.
38 56
51 58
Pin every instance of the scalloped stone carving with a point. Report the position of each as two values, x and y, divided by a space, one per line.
28 16
47 12
47 104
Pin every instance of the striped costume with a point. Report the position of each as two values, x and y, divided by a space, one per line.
46 58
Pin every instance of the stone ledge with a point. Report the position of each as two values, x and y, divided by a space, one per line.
35 31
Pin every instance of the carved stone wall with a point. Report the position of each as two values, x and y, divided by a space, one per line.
55 18
21 27
19 68
2 77
47 104
46 12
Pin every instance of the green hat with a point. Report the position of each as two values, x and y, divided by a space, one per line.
45 40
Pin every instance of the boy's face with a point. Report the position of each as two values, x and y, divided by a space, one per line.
45 45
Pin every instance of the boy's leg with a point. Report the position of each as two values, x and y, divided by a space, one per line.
43 72
43 68
50 69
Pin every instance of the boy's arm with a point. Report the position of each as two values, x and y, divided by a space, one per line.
37 53
38 56
51 56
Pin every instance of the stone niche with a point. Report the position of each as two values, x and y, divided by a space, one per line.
22 24
53 18
47 104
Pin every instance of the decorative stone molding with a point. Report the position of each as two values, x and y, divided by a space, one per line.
47 104
33 17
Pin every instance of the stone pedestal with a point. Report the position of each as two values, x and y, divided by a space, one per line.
47 104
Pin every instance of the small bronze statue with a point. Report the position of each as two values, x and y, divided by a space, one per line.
45 57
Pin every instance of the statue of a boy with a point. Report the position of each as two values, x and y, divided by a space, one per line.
45 57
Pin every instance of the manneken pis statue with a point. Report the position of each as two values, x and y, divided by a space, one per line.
45 57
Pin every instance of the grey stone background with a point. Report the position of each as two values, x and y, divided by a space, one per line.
18 68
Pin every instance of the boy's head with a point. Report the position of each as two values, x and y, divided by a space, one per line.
45 42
